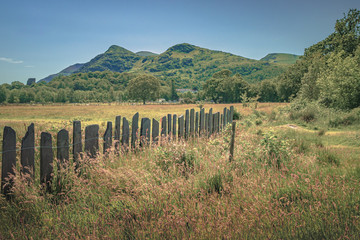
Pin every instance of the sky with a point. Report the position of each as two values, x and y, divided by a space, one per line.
42 37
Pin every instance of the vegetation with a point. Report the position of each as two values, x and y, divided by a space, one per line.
145 87
328 72
283 183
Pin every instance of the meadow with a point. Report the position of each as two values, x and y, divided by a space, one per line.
289 179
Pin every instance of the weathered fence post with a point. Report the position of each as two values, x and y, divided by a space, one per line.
231 113
125 138
8 161
216 122
117 133
77 143
145 132
174 126
202 121
46 160
92 140
62 153
221 122
134 129
155 132
225 117
187 123
206 124
169 125
192 122
197 123
108 137
211 122
28 154
232 142
228 116
181 127
163 128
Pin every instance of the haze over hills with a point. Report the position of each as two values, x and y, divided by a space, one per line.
188 65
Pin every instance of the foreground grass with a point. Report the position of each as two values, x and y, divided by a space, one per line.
281 185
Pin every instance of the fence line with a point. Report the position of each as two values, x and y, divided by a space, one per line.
173 127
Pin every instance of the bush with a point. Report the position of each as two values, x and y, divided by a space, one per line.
237 115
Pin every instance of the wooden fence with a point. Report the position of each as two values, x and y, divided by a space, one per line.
173 127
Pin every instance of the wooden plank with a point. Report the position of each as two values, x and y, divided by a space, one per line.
77 143
134 129
92 140
62 153
27 159
108 138
8 161
46 161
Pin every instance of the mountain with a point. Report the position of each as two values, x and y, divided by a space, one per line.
189 66
284 58
66 72
146 54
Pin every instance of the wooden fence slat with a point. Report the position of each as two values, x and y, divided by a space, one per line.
107 137
163 127
27 159
221 122
134 129
145 132
174 126
155 132
117 133
181 127
192 122
196 123
218 122
92 140
8 160
228 116
206 124
169 125
62 153
187 123
202 121
46 160
77 143
125 138
231 113
225 117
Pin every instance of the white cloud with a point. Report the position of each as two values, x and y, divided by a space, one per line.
29 66
10 60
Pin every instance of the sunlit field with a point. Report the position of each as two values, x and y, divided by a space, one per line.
287 180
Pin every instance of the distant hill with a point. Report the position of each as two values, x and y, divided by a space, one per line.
188 65
283 58
146 54
66 72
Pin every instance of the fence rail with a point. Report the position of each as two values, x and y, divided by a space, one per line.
173 128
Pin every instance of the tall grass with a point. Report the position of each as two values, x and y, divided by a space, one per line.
271 190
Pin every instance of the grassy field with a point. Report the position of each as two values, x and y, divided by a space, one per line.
288 180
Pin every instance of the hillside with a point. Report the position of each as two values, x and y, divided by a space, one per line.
188 65
66 72
284 58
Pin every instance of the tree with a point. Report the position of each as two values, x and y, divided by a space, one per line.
144 87
2 94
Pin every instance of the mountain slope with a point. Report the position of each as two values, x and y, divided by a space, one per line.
284 58
146 54
66 72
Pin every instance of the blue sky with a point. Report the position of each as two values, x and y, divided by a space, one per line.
41 37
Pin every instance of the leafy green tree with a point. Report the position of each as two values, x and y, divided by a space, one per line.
2 94
144 87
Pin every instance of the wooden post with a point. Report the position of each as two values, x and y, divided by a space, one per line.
232 142
125 138
228 116
92 140
46 160
225 117
117 133
187 123
197 123
8 161
163 128
221 122
192 122
62 153
181 127
206 124
145 132
108 137
134 129
231 113
28 153
77 142
211 122
202 121
174 126
155 132
169 125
